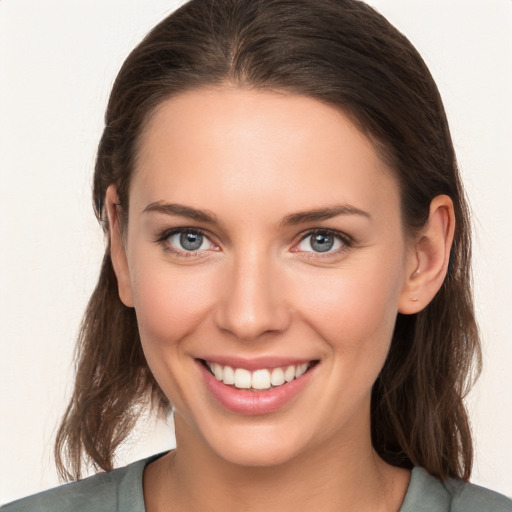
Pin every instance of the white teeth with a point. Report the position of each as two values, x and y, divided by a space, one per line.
277 377
242 378
217 371
301 370
289 373
258 379
229 375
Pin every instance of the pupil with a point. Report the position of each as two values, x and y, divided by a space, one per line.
191 241
322 243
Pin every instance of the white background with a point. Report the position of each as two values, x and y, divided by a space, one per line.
58 60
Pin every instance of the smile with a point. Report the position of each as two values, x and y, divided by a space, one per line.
257 380
256 386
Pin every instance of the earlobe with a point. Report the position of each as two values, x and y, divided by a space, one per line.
429 257
117 250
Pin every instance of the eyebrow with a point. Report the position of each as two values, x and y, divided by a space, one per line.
291 219
182 211
322 214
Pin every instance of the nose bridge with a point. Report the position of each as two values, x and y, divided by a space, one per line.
253 300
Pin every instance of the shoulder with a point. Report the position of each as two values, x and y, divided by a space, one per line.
428 493
83 495
120 489
467 497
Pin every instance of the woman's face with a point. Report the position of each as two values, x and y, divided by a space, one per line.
264 238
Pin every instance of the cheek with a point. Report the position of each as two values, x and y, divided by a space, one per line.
353 309
169 303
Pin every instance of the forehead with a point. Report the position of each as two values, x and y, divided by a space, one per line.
254 147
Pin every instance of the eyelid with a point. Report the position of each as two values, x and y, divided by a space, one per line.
162 239
346 240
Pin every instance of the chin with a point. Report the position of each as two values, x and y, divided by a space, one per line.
256 456
258 447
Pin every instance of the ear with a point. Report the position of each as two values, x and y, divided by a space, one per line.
117 249
428 257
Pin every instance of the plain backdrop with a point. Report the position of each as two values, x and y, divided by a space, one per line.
58 60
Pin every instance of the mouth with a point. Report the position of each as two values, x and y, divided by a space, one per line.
261 379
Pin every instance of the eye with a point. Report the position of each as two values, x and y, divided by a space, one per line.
185 241
322 241
189 240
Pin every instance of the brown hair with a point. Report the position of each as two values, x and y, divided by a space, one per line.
345 54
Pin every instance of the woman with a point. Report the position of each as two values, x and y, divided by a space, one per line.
288 266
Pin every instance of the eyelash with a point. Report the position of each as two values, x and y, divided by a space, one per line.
346 241
163 238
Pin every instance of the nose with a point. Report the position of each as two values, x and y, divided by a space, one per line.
253 300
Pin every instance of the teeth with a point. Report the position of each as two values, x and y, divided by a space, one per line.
258 379
242 378
277 377
289 373
301 370
229 375
218 371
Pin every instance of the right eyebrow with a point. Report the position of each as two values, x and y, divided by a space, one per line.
182 211
322 214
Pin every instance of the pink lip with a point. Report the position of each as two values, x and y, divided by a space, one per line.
256 363
253 403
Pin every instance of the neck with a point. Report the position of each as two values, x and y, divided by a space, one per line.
349 476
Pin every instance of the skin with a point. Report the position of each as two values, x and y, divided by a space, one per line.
257 288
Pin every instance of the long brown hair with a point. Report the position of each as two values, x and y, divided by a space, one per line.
343 53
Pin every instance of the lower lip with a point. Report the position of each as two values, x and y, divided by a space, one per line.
249 402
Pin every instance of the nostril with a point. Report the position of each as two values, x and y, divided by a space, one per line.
251 304
250 323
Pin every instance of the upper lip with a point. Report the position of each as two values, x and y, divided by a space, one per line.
255 363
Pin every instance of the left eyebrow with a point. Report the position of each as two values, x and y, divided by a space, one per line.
182 211
322 214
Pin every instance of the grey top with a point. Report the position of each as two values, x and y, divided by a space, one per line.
120 490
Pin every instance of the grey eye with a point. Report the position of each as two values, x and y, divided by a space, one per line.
321 242
191 241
